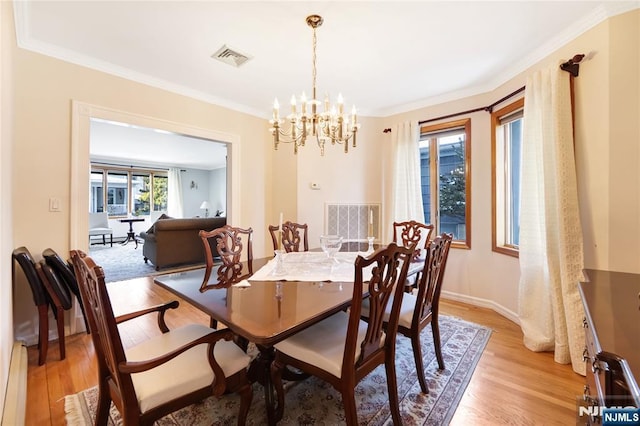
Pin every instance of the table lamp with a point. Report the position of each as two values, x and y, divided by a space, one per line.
205 205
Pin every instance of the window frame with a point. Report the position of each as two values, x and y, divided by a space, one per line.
435 177
130 172
498 213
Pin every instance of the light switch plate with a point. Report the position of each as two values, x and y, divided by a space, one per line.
54 204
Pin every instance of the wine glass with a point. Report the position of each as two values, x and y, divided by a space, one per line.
330 245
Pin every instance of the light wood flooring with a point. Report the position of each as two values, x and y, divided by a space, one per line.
510 386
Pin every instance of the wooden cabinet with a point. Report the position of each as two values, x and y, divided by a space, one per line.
612 341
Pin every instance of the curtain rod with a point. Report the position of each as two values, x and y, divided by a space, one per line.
124 166
571 66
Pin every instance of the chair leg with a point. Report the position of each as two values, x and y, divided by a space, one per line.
111 239
104 403
104 240
436 341
392 389
246 395
60 323
276 381
417 356
350 409
43 333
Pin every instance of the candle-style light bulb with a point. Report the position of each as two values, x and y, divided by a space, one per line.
340 103
276 110
303 101
293 104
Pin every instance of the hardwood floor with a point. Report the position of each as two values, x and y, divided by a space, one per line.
510 386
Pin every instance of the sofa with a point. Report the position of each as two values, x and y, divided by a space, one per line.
175 242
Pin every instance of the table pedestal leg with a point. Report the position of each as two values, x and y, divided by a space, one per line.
260 371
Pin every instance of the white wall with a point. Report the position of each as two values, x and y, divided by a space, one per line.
218 190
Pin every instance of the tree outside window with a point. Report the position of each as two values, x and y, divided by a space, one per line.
445 168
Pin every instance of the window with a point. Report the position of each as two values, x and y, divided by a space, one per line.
128 192
446 178
507 157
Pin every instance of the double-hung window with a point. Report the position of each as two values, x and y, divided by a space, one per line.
507 159
445 166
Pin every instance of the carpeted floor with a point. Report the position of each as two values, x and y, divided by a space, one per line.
123 262
313 402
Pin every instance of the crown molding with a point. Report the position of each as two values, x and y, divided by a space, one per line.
604 11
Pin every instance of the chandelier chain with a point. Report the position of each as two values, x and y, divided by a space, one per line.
315 72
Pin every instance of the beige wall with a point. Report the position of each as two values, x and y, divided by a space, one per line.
607 161
624 143
6 239
45 88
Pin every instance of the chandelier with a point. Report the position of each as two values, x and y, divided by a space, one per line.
332 124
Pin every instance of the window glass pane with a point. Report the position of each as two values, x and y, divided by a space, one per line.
96 192
160 184
141 191
452 182
117 193
425 171
513 150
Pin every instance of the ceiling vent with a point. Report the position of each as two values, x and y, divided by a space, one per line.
230 56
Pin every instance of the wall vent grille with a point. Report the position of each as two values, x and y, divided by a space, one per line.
351 221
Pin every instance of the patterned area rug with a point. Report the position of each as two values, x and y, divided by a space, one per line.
123 262
313 402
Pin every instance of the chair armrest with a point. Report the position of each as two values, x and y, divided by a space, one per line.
209 339
161 309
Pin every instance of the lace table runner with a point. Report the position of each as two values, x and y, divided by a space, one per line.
309 266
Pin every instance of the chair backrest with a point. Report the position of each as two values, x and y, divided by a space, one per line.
291 238
390 265
232 244
63 269
55 285
54 292
98 220
430 283
102 322
412 232
28 265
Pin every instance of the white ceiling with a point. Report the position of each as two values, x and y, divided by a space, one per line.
127 145
385 57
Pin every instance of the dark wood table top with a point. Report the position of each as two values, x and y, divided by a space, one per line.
131 219
267 311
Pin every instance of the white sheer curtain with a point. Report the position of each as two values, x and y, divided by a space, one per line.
551 251
407 188
174 193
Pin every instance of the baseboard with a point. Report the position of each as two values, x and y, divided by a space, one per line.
482 303
15 403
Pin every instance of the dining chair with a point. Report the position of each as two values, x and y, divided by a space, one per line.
48 291
64 271
293 234
232 243
419 310
164 373
343 349
408 233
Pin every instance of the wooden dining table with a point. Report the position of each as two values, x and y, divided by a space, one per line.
265 312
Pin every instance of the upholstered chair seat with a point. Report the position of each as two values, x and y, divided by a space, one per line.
184 374
323 344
